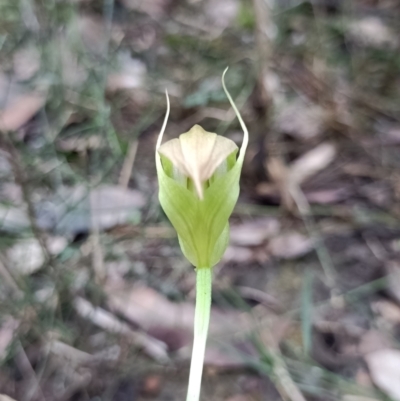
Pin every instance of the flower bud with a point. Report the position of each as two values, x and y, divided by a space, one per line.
196 155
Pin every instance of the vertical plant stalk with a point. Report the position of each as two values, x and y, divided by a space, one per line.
201 323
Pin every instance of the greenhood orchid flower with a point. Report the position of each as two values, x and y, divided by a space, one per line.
198 175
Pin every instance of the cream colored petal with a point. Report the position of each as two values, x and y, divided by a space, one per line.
197 154
173 151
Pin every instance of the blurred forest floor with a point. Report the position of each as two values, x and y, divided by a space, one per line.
96 299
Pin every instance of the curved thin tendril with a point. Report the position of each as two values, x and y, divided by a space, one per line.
161 134
239 117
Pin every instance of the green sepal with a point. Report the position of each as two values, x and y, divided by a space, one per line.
202 225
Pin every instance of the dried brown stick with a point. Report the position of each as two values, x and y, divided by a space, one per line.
126 170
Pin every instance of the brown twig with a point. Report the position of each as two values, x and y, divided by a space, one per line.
126 170
264 37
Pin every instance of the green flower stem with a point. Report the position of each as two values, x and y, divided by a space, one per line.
201 322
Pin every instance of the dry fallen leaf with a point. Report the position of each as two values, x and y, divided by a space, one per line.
288 179
69 362
362 378
26 63
328 196
238 254
290 245
21 110
384 366
107 321
26 256
4 397
112 205
311 163
13 219
388 310
173 323
391 135
371 31
154 8
70 355
80 144
240 397
8 327
323 196
75 357
253 233
279 174
95 34
131 74
149 309
47 296
77 209
273 86
73 72
301 120
348 397
221 13
372 341
9 90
